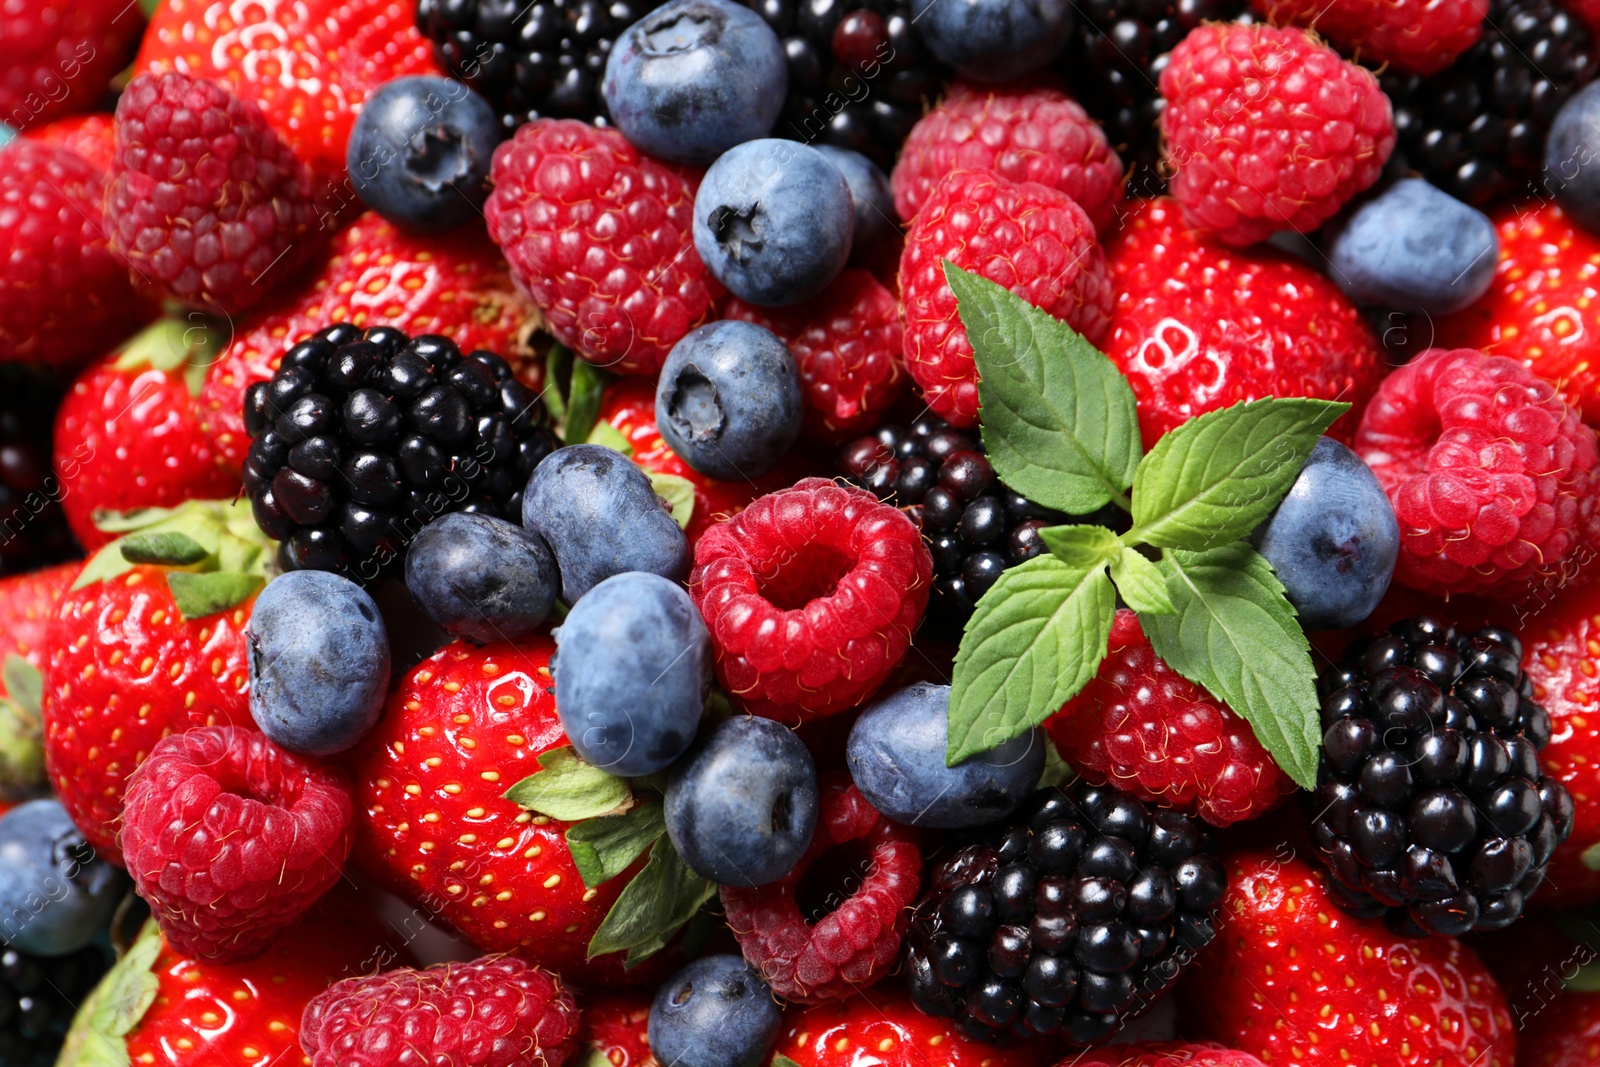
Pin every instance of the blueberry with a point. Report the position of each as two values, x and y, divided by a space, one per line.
1572 156
741 808
716 1012
774 221
694 78
632 667
1333 541
993 40
896 754
1414 248
482 578
56 894
869 192
728 401
420 150
599 515
319 662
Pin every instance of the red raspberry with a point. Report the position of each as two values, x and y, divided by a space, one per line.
204 198
1199 326
1493 477
1166 1054
1024 133
876 867
847 343
231 839
1268 130
497 1011
600 236
64 294
1141 726
1414 36
811 594
60 55
92 136
1031 239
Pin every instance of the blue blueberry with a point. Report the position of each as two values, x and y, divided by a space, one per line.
774 221
56 894
742 807
319 662
869 192
1413 248
896 754
694 78
600 516
632 667
1572 157
1333 541
420 150
482 578
993 40
716 1012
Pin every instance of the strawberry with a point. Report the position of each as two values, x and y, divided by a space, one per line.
1567 1033
92 136
27 604
616 1026
1292 978
887 1031
60 56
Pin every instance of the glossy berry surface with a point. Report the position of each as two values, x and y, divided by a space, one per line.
993 40
482 578
38 997
56 894
717 1012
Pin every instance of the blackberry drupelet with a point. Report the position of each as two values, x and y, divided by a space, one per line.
38 996
1430 806
1068 920
1477 128
363 437
33 528
531 60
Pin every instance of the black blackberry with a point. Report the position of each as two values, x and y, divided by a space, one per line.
33 528
38 996
1068 920
1477 128
363 437
1430 806
531 60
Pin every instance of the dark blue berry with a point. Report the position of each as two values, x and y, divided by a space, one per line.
1571 153
871 194
993 40
716 1012
56 894
482 578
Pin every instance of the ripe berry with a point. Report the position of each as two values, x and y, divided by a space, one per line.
716 1012
56 893
482 578
1416 36
43 993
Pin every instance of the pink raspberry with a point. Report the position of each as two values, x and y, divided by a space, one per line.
1415 36
231 839
204 198
600 237
497 1011
1033 240
857 942
1494 478
1268 130
847 343
1024 133
811 594
1164 1054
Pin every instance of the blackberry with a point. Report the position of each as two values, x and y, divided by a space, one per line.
38 996
33 528
531 60
1477 128
1067 921
363 437
1430 807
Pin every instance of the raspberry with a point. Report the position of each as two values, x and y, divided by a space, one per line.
1025 133
60 56
1493 477
1141 726
497 1011
600 236
1032 239
1167 1054
809 945
1414 36
204 198
1189 345
847 344
811 594
231 839
1267 130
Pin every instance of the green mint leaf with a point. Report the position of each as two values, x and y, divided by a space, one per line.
199 595
1141 583
1585 979
595 1058
780 1060
557 380
652 907
1036 638
602 848
1058 417
608 436
1213 479
569 789
116 1006
1081 546
1238 637
24 684
172 549
678 492
583 403
1591 857
1057 771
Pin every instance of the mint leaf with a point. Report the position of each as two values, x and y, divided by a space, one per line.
1585 979
583 402
1141 583
1035 640
1213 479
678 492
116 1006
1237 636
1591 857
660 899
172 548
780 1060
1080 546
569 789
23 683
602 848
199 595
595 1058
609 436
1057 771
1058 417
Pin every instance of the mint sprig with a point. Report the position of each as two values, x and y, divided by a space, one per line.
1060 426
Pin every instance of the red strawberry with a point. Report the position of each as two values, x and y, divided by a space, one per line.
883 1029
617 1026
1565 1034
1415 36
92 136
27 604
1165 1054
1292 978
60 56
